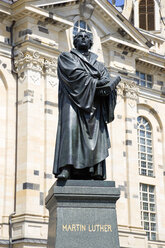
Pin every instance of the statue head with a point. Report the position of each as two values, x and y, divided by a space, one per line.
83 41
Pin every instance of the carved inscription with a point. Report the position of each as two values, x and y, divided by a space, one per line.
86 228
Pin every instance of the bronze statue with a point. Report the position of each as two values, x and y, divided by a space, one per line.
87 99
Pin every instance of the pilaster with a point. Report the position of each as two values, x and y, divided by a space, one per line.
116 162
116 128
124 164
30 158
131 97
51 120
7 145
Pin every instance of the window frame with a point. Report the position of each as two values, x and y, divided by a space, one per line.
78 26
144 79
145 147
147 15
148 214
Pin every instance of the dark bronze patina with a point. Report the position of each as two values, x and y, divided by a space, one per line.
87 99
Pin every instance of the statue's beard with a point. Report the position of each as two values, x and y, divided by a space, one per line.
83 47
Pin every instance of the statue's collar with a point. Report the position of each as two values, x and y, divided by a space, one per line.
93 56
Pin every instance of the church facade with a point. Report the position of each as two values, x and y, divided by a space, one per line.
129 38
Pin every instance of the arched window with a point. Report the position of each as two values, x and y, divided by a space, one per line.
81 26
145 155
147 14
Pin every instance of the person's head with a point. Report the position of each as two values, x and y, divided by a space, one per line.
83 41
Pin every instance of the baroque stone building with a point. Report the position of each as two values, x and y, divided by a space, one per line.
130 40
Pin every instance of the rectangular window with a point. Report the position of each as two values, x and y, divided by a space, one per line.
144 79
148 210
146 14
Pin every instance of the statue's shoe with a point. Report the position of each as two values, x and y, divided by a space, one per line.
64 175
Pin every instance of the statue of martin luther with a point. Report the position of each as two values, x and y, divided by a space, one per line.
87 99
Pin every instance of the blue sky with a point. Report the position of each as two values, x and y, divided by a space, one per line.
118 2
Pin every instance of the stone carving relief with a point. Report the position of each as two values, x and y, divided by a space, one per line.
51 72
51 66
34 76
52 80
30 65
120 91
22 76
131 92
29 60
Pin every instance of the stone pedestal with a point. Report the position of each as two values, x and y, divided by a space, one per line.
82 214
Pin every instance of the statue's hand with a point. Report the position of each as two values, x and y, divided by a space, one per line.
102 82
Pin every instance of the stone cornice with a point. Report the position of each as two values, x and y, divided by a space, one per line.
24 8
152 36
156 65
5 49
110 39
5 11
151 94
52 4
5 7
112 12
31 46
148 56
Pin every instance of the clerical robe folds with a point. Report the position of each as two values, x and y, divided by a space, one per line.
82 137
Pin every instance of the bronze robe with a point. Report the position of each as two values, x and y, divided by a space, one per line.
82 136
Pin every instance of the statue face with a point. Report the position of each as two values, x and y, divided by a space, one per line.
83 41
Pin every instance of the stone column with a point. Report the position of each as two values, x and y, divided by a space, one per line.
115 162
7 145
131 97
30 160
51 120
